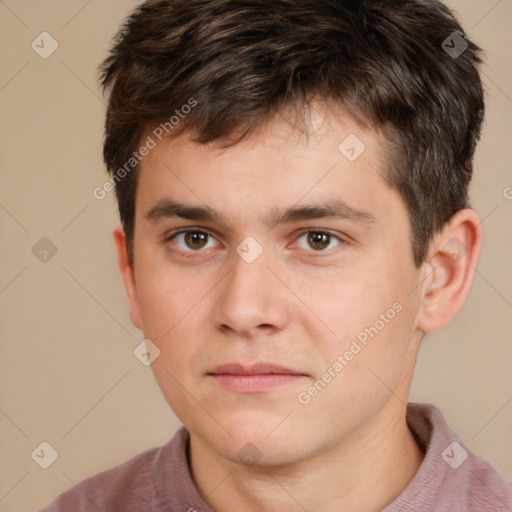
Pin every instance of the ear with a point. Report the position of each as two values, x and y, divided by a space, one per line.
128 275
449 270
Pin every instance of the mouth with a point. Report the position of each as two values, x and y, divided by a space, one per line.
255 378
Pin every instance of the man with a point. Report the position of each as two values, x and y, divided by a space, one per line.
292 183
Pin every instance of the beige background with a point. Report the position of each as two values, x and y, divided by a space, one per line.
68 375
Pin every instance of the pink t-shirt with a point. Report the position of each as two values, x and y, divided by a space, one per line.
451 478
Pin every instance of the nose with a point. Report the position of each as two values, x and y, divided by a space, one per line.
250 299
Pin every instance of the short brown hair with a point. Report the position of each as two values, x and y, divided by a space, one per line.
404 67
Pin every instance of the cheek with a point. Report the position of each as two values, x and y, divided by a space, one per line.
371 313
165 295
173 316
363 371
173 323
351 303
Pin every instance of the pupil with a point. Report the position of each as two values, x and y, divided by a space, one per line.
321 240
196 239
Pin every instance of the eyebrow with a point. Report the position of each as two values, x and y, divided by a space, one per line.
335 209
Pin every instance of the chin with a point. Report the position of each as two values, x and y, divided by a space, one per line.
255 440
263 453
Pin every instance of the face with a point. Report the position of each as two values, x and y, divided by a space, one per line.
276 277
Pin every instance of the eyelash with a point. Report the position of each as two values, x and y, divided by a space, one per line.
193 254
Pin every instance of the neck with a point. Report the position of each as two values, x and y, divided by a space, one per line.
364 472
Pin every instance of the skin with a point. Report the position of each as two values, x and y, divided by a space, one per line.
297 305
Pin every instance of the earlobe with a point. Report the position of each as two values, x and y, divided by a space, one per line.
451 267
128 275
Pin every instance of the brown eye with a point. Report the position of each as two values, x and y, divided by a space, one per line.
319 241
196 239
192 240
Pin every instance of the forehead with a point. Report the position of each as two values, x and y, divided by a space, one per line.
333 160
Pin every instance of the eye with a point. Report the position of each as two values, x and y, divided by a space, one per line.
192 240
319 241
196 240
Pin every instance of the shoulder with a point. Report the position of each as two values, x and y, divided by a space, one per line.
451 476
111 489
127 486
485 487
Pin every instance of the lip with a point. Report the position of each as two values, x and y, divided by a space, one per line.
255 378
253 369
